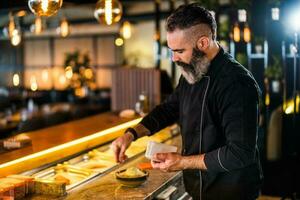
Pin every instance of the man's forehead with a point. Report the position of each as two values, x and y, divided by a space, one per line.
177 39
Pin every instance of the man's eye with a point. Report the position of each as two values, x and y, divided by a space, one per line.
179 51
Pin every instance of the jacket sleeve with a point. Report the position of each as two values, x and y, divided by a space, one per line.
238 109
164 114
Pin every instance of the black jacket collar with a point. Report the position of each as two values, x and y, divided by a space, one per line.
216 63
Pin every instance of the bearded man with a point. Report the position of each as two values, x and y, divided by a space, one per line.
216 106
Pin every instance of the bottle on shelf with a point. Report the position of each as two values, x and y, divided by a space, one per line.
142 106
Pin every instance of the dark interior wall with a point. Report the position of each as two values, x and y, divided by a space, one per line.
11 61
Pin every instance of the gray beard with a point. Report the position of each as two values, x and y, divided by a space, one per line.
197 68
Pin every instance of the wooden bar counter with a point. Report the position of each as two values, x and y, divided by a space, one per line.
61 142
57 142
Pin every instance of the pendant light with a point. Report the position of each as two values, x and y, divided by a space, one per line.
16 37
236 33
63 29
108 11
44 7
16 80
11 25
126 30
247 33
37 27
14 31
119 41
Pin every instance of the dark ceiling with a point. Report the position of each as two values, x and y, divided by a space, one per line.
81 11
22 4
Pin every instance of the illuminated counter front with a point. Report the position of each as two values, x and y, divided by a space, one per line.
58 142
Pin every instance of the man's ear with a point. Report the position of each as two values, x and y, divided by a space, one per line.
203 43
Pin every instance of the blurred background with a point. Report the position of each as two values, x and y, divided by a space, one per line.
65 60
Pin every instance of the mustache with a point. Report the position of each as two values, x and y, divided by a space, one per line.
185 66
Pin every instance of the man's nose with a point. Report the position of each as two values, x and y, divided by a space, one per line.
175 57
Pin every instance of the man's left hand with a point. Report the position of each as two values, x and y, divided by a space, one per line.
167 162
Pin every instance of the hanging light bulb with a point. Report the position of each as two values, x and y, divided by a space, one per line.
119 42
37 27
33 83
63 29
247 33
16 80
126 30
44 7
21 13
108 11
236 33
16 37
14 31
11 25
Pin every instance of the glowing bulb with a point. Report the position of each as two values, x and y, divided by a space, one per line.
236 33
11 25
289 106
13 32
44 7
63 29
16 37
119 42
21 13
267 99
16 80
247 34
108 11
126 30
38 26
33 83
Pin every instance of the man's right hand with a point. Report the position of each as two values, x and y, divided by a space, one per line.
120 145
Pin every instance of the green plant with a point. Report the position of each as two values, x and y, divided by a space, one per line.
224 26
78 70
77 59
274 71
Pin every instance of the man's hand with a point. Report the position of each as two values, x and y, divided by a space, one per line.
120 145
167 162
174 162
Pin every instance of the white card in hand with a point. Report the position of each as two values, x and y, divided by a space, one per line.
154 147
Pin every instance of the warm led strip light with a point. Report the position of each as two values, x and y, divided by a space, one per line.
69 144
